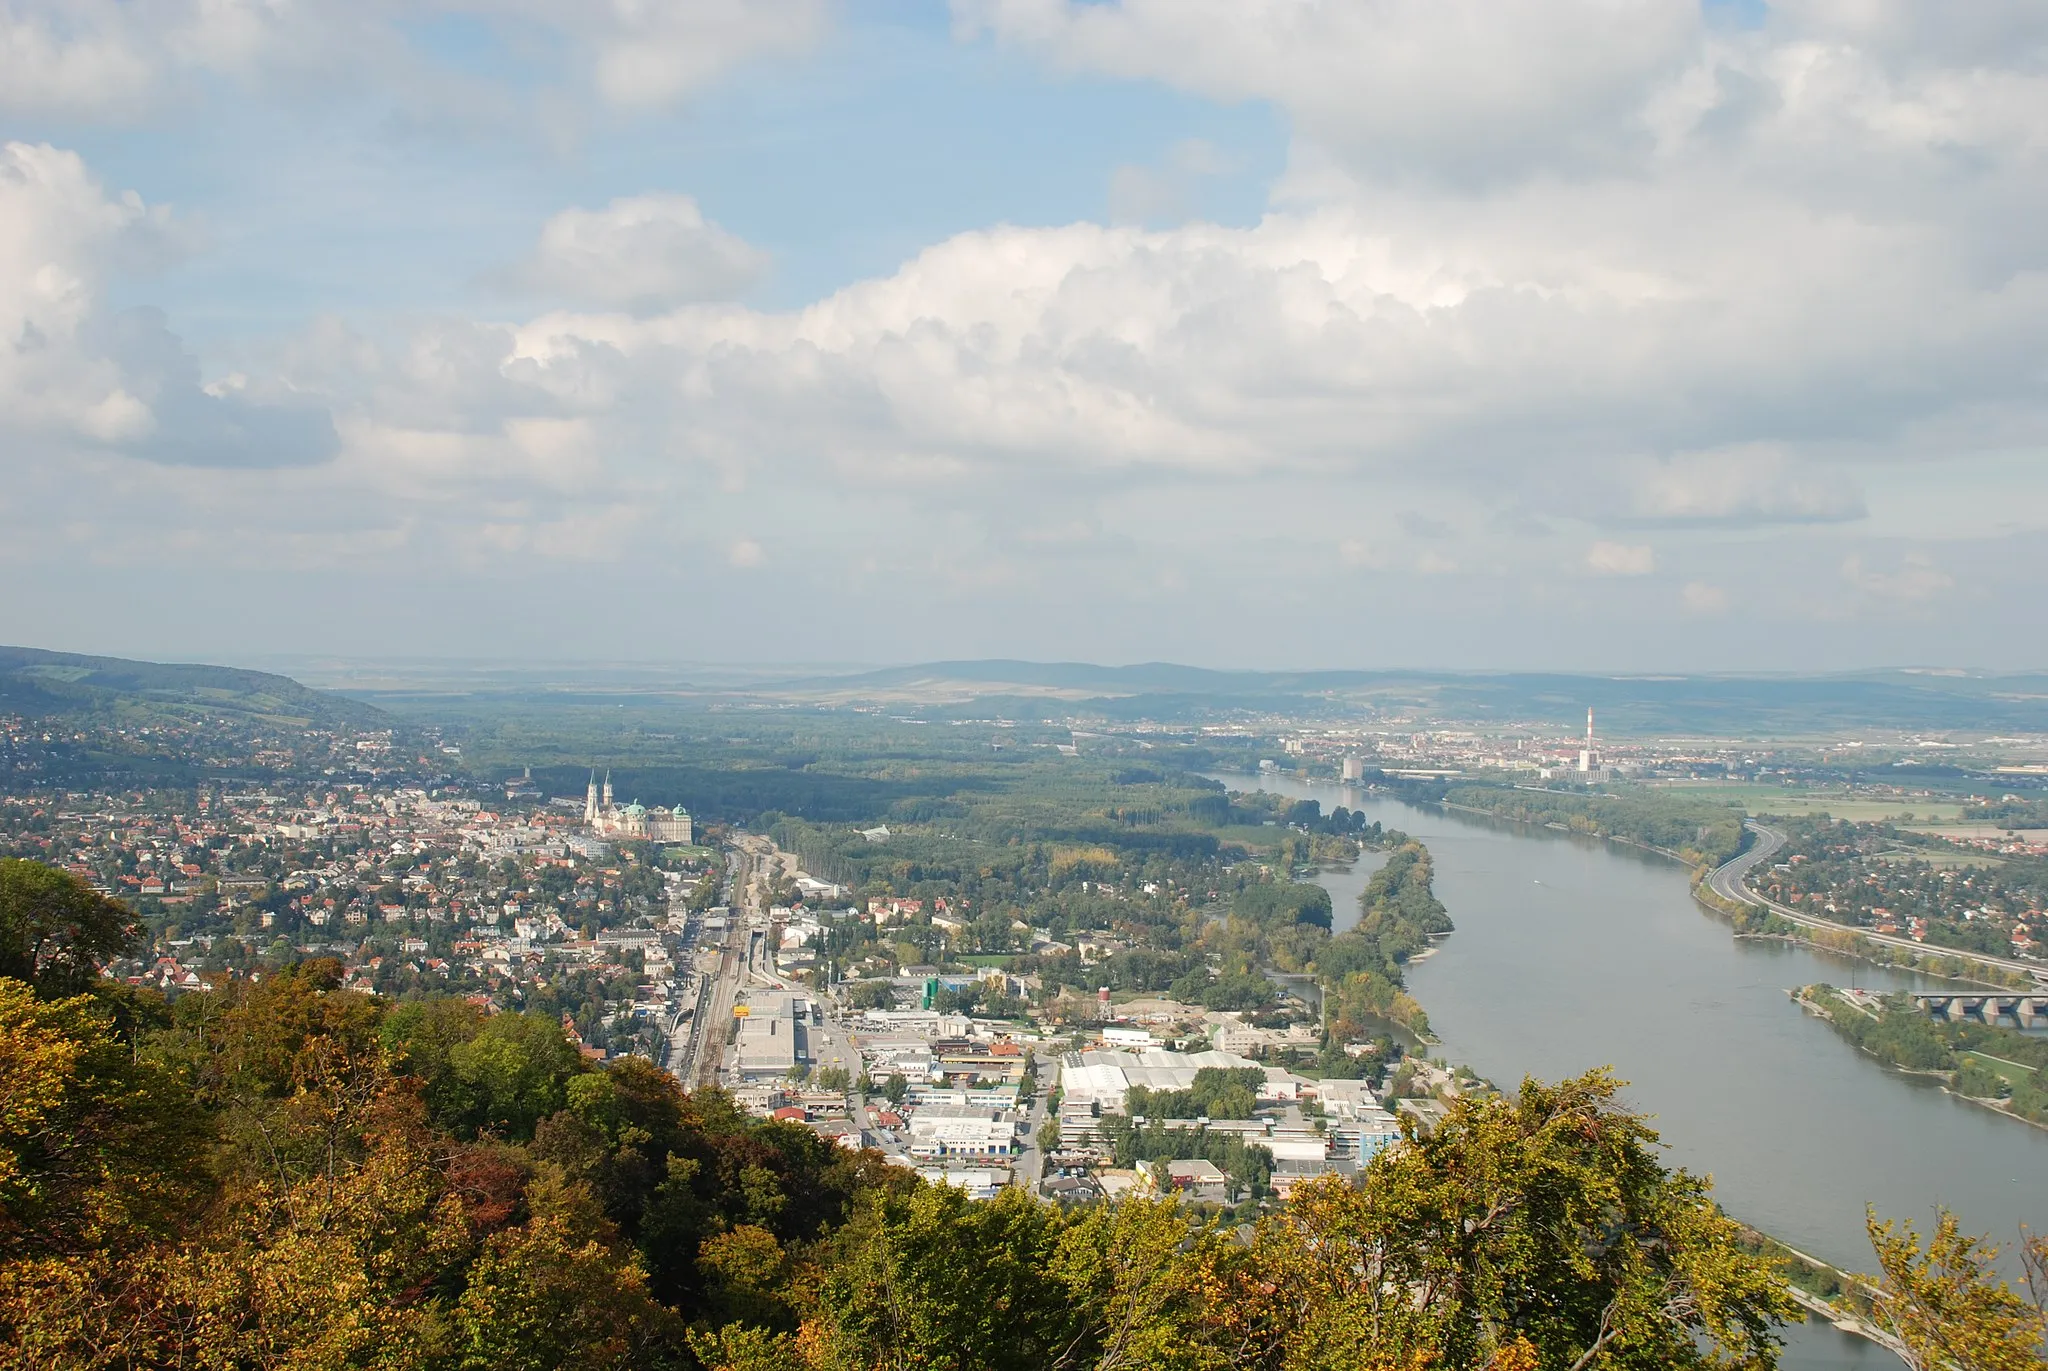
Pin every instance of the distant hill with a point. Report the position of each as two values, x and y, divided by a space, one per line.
41 684
1719 705
1707 705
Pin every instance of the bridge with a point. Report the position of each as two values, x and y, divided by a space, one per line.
2027 1009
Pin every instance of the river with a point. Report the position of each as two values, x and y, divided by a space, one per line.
1571 953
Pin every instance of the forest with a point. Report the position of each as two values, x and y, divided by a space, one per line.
1702 831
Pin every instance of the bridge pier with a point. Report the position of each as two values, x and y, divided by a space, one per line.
2024 1009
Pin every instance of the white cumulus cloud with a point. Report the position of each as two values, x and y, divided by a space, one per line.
74 372
1537 279
639 252
1743 484
1466 90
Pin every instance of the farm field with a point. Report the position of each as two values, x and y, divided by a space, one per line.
1789 802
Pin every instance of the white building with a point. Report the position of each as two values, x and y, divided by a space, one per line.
771 1037
633 820
980 1183
1102 1078
976 1133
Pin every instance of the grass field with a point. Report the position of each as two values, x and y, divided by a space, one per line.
1770 799
1245 836
2012 1072
1941 861
1862 808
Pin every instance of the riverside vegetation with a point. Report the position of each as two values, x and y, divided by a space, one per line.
1986 1062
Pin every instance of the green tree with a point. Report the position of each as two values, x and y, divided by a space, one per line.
421 1037
55 930
895 1089
900 1296
514 1073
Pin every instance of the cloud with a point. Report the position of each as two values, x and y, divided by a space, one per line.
230 423
1517 275
1916 581
645 56
1701 599
746 554
72 372
1459 89
1357 552
108 59
1619 559
1742 485
641 253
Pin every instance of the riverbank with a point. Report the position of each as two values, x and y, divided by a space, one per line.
1840 1298
1843 941
1839 939
1636 843
1570 954
1828 1294
1867 1032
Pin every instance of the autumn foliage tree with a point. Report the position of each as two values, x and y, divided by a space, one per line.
1946 1304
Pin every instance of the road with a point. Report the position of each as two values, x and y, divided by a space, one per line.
1028 1167
1730 882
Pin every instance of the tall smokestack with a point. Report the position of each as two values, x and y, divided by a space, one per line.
1589 728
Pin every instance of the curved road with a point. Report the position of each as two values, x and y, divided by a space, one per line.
1729 881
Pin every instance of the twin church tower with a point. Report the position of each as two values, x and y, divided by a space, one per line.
632 821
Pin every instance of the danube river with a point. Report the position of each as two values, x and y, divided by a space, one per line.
1573 953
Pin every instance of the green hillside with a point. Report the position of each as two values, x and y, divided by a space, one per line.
64 685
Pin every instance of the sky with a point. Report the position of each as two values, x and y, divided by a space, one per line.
1611 335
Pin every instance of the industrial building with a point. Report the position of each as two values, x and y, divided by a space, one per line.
771 1036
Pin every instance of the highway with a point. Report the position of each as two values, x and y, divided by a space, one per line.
1027 1168
1730 882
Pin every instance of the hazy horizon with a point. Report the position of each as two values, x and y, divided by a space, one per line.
315 667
